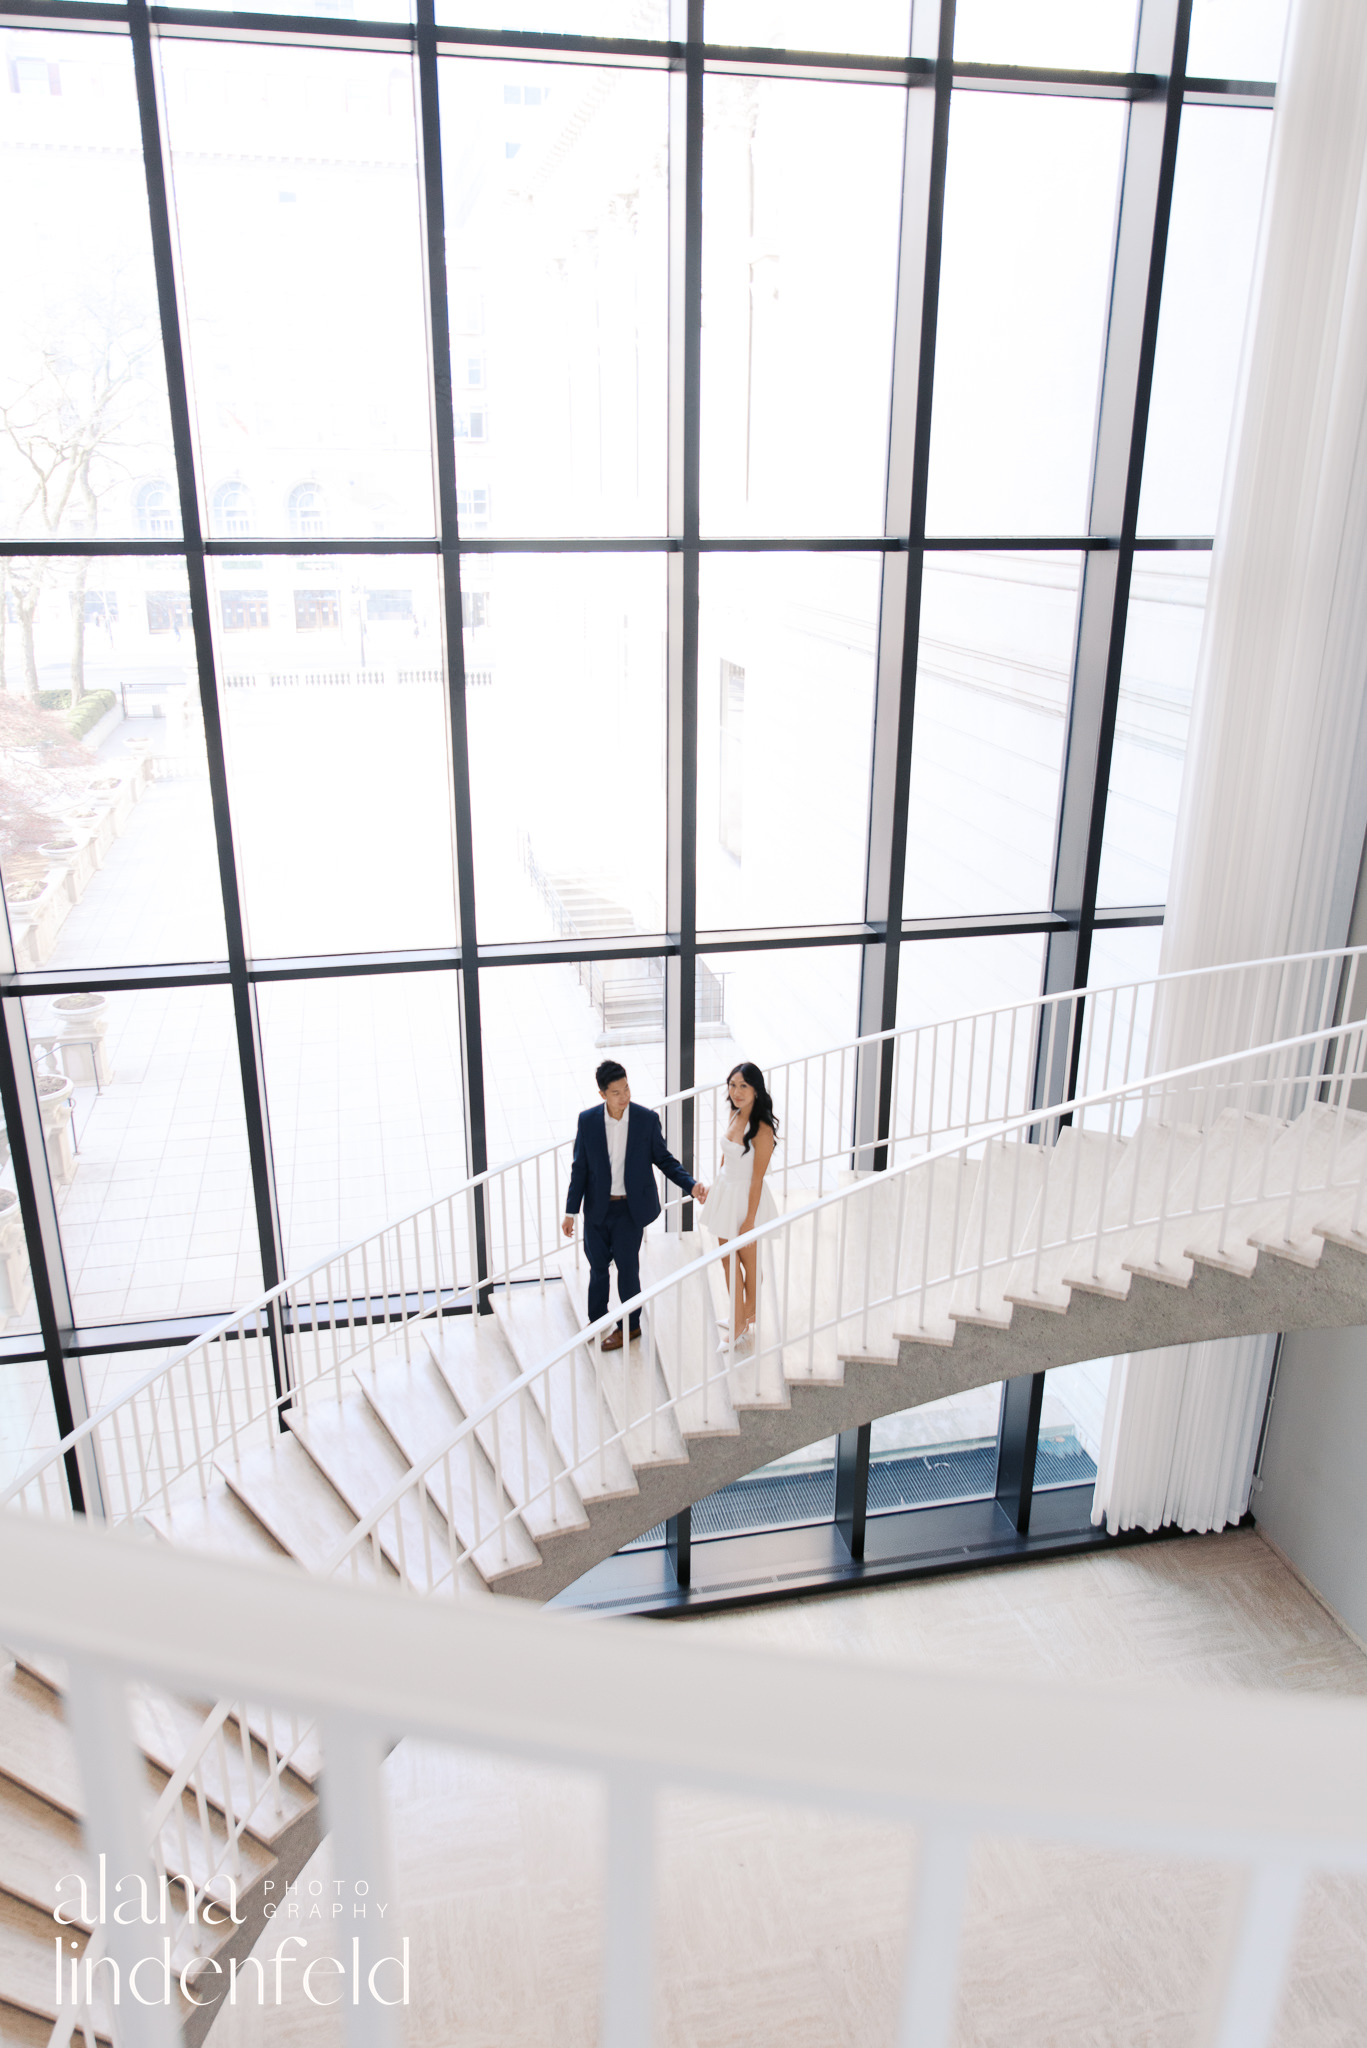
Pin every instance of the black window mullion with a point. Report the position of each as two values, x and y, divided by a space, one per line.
246 1019
913 379
1150 162
684 430
1146 184
42 1233
448 532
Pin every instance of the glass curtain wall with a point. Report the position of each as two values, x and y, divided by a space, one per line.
444 523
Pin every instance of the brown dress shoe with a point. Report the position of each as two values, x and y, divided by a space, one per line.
613 1339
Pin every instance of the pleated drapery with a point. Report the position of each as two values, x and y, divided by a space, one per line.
1274 797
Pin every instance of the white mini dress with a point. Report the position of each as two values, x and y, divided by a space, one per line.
728 1199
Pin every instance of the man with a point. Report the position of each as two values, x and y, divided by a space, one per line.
614 1150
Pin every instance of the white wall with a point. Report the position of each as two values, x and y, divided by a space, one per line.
1313 1503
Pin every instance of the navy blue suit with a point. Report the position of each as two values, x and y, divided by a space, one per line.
613 1230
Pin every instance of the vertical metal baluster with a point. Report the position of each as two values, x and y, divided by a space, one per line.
1259 1956
925 1243
420 1276
991 1070
437 1288
627 2019
818 1220
989 1154
1008 1106
540 1231
929 1986
868 1262
403 1294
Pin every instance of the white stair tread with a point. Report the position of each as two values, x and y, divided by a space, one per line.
1081 1168
1134 1192
536 1321
165 1728
293 1502
633 1386
415 1406
37 1754
1197 1181
26 1964
362 1463
885 1243
25 2030
475 1360
1324 1156
682 1328
1007 1189
217 1523
38 1845
755 1378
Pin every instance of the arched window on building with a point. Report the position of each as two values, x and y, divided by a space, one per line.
306 510
156 510
232 510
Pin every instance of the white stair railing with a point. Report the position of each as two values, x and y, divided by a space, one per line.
1265 1789
1267 1145
306 1337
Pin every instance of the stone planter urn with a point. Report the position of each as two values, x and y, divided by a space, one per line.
54 1103
14 1274
37 915
119 792
76 851
83 1022
97 822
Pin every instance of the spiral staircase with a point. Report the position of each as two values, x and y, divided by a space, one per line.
431 1410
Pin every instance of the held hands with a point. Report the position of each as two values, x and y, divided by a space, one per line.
699 1191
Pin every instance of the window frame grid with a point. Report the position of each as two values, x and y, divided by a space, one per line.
1156 91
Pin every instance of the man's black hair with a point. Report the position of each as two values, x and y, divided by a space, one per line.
608 1072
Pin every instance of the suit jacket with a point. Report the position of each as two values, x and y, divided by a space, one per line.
591 1173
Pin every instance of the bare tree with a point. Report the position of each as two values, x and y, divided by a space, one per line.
63 427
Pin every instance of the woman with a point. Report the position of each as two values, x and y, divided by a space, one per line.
738 1199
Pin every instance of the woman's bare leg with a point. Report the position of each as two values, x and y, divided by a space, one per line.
726 1266
749 1262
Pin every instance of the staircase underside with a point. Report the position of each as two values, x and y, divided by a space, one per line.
302 1499
1280 1294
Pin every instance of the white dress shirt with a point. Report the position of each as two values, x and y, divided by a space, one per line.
616 1127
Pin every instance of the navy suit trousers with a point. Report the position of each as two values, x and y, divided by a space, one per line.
616 1241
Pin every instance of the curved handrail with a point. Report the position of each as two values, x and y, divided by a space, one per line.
283 1311
1179 1080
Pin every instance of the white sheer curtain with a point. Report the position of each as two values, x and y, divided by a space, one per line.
1274 799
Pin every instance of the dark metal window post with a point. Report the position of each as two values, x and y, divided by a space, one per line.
852 1486
448 533
1150 162
925 155
47 1267
684 456
246 1019
1141 240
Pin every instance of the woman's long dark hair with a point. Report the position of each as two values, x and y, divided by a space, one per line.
762 1108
